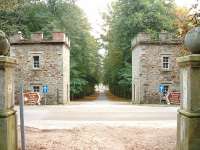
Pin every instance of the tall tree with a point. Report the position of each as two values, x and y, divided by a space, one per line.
10 4
66 16
126 19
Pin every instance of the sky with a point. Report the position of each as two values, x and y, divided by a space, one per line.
94 8
186 3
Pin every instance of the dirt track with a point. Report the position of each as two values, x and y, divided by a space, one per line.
101 138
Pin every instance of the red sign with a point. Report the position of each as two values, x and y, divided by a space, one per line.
174 97
32 98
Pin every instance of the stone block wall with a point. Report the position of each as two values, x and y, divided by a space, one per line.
54 69
148 73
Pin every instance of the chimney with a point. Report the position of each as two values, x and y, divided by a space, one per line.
165 36
59 37
37 36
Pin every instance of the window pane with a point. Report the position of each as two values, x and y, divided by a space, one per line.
36 89
166 65
36 58
166 88
166 62
165 59
36 61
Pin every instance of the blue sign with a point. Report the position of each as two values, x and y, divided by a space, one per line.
161 88
45 89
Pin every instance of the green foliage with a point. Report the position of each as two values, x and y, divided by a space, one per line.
126 19
66 16
10 4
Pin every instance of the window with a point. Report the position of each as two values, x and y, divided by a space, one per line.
165 89
36 62
36 88
165 62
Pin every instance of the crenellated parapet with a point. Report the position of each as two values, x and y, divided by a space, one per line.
38 38
163 38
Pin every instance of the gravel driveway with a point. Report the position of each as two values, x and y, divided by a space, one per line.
100 137
100 125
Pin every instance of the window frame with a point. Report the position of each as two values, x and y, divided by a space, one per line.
36 65
166 91
33 88
166 62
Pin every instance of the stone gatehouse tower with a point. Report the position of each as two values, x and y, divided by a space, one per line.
154 64
43 62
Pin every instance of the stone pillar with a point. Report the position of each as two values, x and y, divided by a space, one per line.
8 123
188 124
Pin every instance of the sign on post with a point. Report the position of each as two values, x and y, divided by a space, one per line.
32 98
174 97
45 90
161 88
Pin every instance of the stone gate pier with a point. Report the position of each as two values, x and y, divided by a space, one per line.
8 124
188 130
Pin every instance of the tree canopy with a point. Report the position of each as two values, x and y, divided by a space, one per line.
59 15
187 18
125 20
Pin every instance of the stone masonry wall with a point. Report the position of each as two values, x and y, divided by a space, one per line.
66 74
53 57
148 72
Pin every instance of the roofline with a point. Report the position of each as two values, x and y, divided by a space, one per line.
39 42
157 42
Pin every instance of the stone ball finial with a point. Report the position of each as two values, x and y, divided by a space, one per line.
192 40
4 44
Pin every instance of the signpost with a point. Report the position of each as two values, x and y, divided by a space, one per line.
174 97
32 98
21 108
161 88
45 90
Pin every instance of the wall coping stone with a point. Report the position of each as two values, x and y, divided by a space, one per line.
7 113
193 57
37 38
145 39
31 42
189 114
7 61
